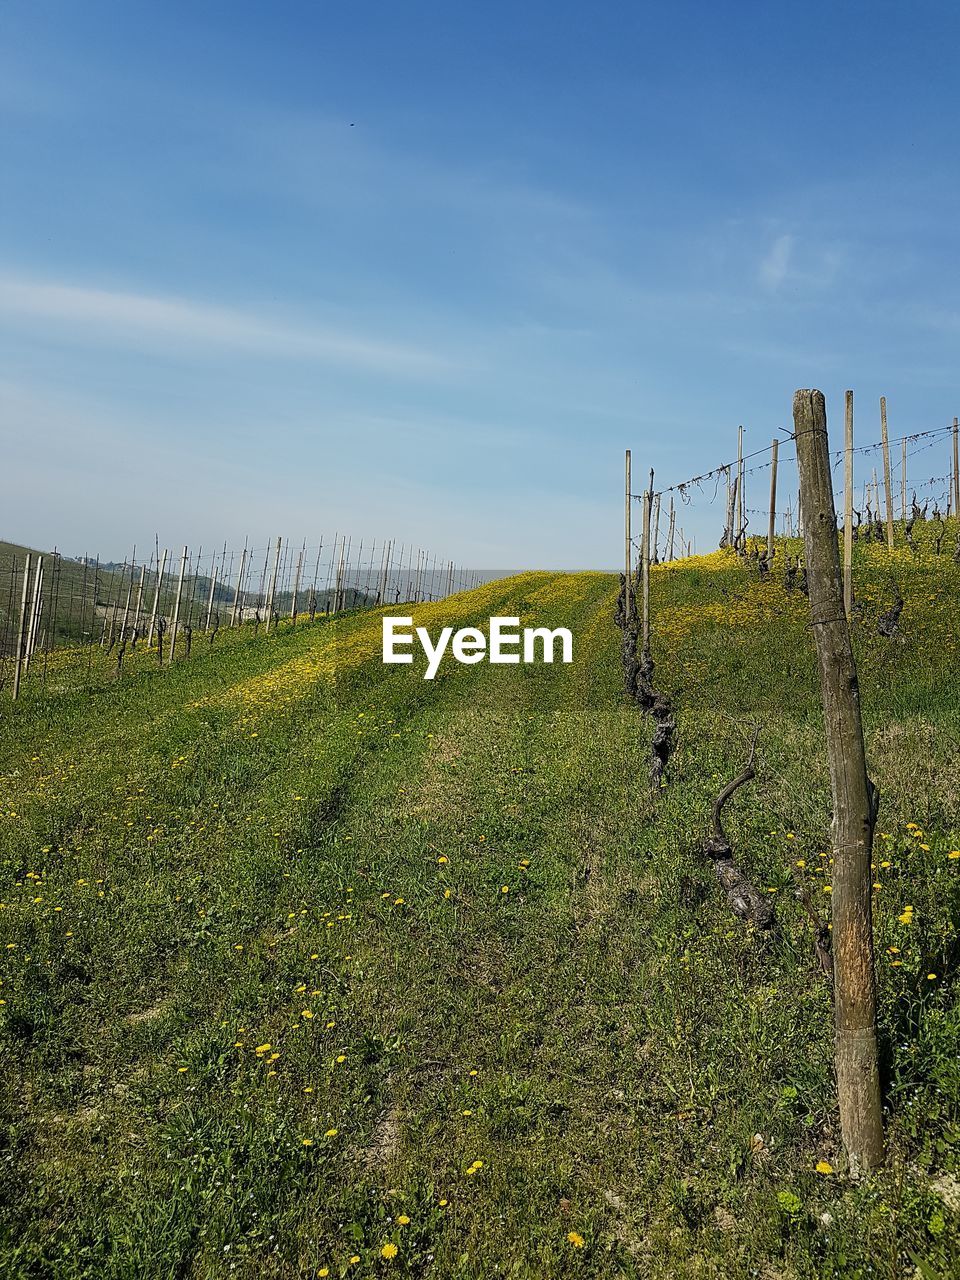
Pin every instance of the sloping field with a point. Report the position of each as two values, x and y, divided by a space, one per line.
312 967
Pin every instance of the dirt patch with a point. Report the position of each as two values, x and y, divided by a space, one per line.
384 1142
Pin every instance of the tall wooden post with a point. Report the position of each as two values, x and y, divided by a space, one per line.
655 544
854 798
384 571
139 606
213 588
34 614
673 520
956 468
161 569
739 494
296 584
273 583
338 579
888 492
21 633
771 527
903 480
645 573
734 539
176 607
238 589
848 506
627 547
728 540
126 607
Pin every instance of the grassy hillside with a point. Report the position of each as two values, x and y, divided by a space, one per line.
311 967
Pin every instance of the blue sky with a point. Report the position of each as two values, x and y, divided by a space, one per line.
424 271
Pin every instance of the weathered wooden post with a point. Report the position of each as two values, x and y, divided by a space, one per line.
176 608
273 584
734 499
238 589
771 527
213 589
728 539
739 493
956 468
854 798
655 544
339 577
139 606
126 607
673 522
627 547
888 493
848 505
21 632
296 583
156 598
34 615
903 480
645 574
384 572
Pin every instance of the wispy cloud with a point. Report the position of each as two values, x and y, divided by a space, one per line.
775 266
130 318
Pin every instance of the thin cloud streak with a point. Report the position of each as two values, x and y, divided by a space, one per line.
123 317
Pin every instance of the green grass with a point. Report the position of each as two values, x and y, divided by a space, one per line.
509 951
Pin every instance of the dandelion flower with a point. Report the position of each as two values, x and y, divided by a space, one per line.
576 1239
824 1167
389 1251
